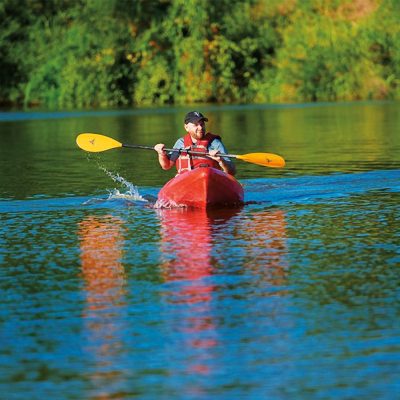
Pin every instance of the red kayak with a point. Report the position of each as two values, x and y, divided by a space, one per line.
201 188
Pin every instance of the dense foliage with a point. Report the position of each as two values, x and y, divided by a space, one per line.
108 53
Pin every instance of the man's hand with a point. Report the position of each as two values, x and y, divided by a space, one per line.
163 159
159 148
214 155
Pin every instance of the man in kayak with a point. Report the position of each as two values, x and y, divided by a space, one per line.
199 140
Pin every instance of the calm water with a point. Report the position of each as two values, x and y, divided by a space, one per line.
294 296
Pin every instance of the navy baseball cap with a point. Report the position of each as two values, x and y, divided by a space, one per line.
194 117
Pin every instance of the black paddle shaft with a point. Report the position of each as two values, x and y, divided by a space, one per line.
180 151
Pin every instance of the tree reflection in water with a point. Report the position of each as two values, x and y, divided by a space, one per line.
101 246
266 253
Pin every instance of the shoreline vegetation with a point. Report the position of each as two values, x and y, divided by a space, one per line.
66 54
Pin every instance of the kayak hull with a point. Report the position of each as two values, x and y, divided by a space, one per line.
202 188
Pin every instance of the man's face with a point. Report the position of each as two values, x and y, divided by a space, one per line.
196 130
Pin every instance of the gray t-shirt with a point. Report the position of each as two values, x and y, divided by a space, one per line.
216 144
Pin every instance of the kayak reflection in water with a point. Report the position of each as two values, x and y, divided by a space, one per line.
199 140
190 276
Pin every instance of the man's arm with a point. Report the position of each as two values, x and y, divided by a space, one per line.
166 160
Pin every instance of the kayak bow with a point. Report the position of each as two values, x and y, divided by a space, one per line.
201 188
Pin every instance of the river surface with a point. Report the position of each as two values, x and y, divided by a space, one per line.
293 296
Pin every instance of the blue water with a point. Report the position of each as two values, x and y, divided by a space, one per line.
260 191
293 296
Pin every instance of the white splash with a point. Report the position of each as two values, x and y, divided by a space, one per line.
167 204
131 194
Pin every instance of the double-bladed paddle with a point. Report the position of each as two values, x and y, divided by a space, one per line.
95 143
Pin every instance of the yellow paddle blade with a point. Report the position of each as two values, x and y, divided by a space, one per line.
94 142
264 159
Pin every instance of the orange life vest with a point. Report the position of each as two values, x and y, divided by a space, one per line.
186 162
